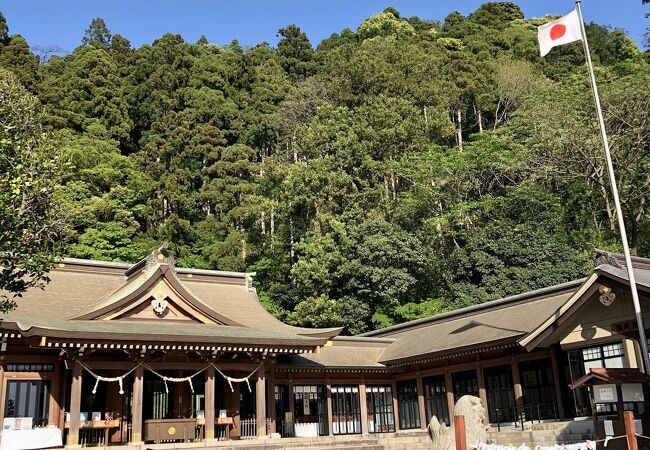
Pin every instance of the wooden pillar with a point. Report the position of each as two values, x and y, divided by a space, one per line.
459 432
630 430
619 403
75 405
136 407
63 385
481 390
260 402
556 383
421 409
364 408
270 397
292 405
209 403
516 381
56 400
449 386
330 425
395 406
3 389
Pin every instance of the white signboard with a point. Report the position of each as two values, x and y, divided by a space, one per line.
609 427
632 392
605 393
305 405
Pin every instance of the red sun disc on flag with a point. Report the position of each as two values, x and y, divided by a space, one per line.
557 31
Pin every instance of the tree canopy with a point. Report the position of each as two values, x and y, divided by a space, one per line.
388 173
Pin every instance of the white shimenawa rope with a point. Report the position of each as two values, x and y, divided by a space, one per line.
99 378
238 380
165 378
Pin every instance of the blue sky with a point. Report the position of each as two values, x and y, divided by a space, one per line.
62 22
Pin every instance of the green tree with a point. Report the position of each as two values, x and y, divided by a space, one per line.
30 225
17 57
385 24
4 30
295 51
97 33
84 92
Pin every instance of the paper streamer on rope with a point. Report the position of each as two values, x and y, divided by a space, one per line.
99 378
238 380
165 378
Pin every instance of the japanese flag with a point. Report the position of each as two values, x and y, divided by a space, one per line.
558 32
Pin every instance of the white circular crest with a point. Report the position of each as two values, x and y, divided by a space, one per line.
159 306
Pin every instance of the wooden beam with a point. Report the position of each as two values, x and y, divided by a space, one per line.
459 432
363 408
421 408
558 388
75 405
209 403
630 430
270 397
330 425
3 390
516 381
481 390
449 387
395 406
136 407
260 402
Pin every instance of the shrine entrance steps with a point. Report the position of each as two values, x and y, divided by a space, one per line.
405 440
544 434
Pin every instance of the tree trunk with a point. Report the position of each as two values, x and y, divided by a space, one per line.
636 220
292 249
634 236
262 221
459 130
426 120
272 226
479 117
393 181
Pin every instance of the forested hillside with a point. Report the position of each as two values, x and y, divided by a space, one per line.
391 172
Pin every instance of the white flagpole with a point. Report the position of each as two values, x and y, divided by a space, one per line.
617 202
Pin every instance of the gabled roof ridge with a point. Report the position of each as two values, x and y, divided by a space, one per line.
140 283
604 257
469 310
126 266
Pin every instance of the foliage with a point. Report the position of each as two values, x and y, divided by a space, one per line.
393 172
29 222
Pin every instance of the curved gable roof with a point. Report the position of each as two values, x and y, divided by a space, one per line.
81 291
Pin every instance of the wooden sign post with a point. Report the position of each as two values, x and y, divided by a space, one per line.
630 430
461 435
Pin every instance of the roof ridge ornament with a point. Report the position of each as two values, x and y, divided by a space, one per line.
605 257
161 256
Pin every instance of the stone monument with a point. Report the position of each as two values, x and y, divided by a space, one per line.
442 437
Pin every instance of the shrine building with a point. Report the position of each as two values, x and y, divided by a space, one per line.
146 353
